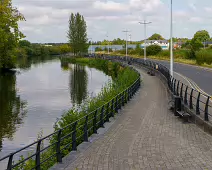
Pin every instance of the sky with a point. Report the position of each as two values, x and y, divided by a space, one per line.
47 20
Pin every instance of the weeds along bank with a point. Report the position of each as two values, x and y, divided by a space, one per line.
122 78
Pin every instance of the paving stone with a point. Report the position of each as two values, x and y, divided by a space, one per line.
148 136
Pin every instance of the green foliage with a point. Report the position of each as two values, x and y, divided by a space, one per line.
98 49
153 50
77 34
122 79
9 33
137 51
118 41
201 36
156 37
204 56
26 49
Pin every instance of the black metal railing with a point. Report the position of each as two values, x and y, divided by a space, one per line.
69 137
198 102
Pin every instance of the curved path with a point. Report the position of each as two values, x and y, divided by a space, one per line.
147 136
201 76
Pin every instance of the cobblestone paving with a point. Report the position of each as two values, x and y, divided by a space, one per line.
148 136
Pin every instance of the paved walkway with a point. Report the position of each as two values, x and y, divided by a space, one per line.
148 136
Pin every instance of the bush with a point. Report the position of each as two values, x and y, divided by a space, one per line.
164 53
204 56
153 50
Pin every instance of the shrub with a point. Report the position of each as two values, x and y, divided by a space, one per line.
153 49
164 53
204 56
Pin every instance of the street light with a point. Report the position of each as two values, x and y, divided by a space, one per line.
126 31
171 46
145 23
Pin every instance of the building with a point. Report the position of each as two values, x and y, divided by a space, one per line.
163 43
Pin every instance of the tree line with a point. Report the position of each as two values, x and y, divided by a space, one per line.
13 46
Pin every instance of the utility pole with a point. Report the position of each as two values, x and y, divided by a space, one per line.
126 31
171 45
145 23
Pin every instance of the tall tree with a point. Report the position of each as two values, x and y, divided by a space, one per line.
156 37
77 34
9 33
201 36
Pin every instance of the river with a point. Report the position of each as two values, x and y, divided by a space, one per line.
33 99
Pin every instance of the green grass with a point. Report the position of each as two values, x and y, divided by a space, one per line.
177 58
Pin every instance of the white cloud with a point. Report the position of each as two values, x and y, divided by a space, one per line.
195 19
45 18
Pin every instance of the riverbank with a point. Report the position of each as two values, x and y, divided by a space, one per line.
123 78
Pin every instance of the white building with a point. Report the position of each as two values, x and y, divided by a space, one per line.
163 43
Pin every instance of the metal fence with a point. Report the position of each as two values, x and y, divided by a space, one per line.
196 101
72 135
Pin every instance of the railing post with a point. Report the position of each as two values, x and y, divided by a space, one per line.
197 105
59 156
175 87
85 136
178 84
181 92
10 162
186 96
94 122
172 84
128 94
102 117
116 105
74 139
37 158
191 99
112 108
107 113
119 101
125 96
123 99
206 109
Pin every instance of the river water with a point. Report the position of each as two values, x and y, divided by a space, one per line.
33 99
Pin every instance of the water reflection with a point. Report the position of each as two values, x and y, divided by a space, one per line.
78 84
12 107
50 90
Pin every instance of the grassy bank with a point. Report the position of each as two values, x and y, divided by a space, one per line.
123 77
200 61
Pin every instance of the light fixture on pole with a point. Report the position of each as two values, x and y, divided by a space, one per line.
126 31
145 23
171 46
130 36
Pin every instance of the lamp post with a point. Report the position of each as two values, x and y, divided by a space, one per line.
171 45
145 23
126 31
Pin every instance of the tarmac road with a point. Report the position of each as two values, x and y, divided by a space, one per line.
202 77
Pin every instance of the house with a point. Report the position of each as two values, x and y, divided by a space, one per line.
163 43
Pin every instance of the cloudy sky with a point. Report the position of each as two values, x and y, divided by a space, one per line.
47 20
